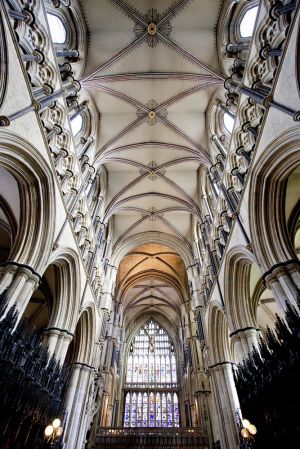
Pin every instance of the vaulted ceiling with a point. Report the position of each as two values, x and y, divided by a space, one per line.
152 278
152 68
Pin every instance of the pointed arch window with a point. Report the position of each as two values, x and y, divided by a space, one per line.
76 124
151 397
228 121
57 29
248 22
151 358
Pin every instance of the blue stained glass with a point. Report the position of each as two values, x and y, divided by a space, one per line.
176 410
158 410
164 410
151 410
127 411
145 410
169 410
133 411
139 410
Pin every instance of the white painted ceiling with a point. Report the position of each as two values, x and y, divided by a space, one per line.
152 163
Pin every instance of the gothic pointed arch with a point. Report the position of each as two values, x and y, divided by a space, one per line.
67 298
34 239
237 292
218 335
152 237
151 365
271 241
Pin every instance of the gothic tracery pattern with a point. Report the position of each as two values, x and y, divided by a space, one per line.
151 381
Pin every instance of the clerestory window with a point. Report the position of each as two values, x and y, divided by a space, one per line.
151 397
248 22
228 121
57 29
76 124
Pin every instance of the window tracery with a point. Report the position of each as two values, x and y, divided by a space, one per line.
151 399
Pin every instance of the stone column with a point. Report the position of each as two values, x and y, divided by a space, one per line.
75 404
20 282
284 281
243 342
202 411
104 416
57 341
226 401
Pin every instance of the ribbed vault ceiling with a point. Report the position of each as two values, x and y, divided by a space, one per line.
152 278
152 69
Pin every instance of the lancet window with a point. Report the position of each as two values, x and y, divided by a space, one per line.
57 29
151 397
76 124
248 22
228 121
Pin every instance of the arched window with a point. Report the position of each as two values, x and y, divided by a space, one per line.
228 121
248 22
57 29
76 124
151 398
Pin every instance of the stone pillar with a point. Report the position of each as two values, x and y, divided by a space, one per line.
226 401
202 411
75 404
243 341
284 281
57 341
20 282
104 421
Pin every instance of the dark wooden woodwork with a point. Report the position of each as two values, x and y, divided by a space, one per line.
32 385
268 385
148 437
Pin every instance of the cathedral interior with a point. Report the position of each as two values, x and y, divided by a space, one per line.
149 224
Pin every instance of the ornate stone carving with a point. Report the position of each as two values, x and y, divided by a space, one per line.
152 17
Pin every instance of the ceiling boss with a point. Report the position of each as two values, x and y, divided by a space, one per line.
154 23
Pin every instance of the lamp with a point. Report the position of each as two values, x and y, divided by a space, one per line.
248 430
53 431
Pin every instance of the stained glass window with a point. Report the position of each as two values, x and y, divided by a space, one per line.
133 422
145 409
127 411
152 358
139 410
151 398
176 410
158 410
151 410
169 410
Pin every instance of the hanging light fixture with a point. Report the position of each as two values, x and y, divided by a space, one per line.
248 430
53 431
